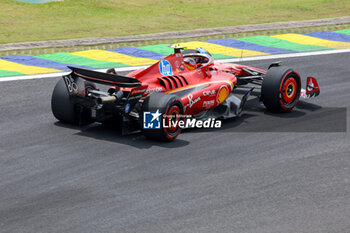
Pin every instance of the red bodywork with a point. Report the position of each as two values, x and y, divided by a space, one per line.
196 84
200 89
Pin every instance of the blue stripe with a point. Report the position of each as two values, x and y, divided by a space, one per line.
34 61
250 46
136 52
330 36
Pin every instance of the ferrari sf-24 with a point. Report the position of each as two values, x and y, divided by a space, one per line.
186 83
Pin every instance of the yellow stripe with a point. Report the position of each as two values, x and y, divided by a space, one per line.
309 40
219 49
102 55
201 84
12 66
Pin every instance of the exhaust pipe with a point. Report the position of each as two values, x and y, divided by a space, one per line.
106 99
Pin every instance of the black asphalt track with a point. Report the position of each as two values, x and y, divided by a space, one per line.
259 173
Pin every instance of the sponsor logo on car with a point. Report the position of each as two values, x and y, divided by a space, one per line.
135 92
165 68
209 93
310 85
177 64
222 94
156 89
191 102
208 104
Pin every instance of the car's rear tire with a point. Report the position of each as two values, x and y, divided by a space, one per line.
61 106
64 110
280 89
168 105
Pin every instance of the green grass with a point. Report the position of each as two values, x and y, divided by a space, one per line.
21 21
39 51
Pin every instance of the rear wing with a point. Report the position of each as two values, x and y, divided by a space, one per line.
104 78
81 87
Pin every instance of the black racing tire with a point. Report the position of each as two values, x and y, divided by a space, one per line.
281 88
167 104
64 110
61 106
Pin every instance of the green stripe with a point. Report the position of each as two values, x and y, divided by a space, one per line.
5 73
68 58
166 50
282 44
158 48
220 56
346 31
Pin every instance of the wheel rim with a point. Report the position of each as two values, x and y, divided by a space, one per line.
172 119
289 90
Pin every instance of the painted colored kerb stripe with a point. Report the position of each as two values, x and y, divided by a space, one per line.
115 57
301 39
334 36
68 58
219 49
11 66
283 44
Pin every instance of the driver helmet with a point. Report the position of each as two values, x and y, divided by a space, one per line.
111 71
203 51
190 63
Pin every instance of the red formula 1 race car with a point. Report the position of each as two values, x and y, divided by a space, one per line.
186 83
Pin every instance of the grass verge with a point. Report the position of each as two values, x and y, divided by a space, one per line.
171 41
67 19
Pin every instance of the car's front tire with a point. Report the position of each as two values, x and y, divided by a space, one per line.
280 89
